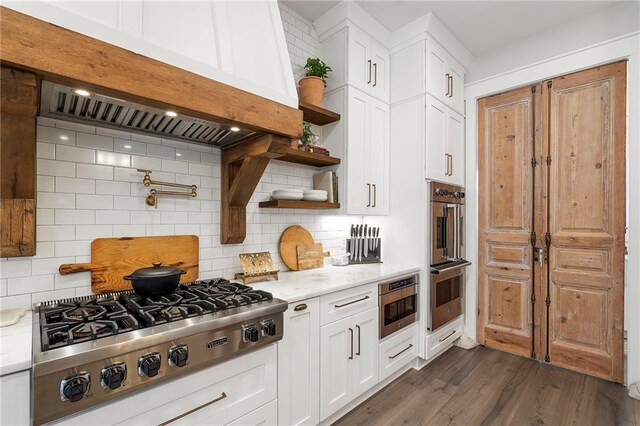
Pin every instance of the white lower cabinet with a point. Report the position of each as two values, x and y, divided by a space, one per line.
348 360
216 396
15 403
397 351
264 416
299 365
442 338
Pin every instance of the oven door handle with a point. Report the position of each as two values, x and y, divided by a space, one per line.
436 271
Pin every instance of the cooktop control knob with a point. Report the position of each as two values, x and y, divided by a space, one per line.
458 194
113 376
268 328
441 192
250 333
178 355
149 365
73 388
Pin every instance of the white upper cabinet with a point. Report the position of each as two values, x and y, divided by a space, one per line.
221 40
357 60
444 138
444 76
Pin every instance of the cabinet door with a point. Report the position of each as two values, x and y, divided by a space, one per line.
336 359
365 367
456 89
299 365
14 410
379 75
455 147
360 61
437 82
436 142
379 157
358 188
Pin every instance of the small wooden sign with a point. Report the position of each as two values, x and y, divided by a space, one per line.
257 267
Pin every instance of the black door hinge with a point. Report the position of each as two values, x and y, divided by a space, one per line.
533 89
533 238
534 162
549 83
533 299
547 301
547 239
548 160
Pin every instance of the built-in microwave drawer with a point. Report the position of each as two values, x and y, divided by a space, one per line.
342 304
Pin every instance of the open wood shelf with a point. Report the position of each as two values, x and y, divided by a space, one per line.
299 156
289 204
318 115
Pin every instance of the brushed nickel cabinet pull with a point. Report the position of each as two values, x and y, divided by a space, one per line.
369 192
374 195
375 74
351 303
448 335
451 80
402 351
369 61
220 398
300 307
358 351
448 85
446 158
351 331
450 165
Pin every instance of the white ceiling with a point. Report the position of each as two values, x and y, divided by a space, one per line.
480 25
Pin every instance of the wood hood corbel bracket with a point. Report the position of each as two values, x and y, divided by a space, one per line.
243 165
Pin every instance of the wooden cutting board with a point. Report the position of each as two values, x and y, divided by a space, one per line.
113 258
310 257
291 238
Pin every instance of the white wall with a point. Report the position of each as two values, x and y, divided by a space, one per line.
554 64
88 188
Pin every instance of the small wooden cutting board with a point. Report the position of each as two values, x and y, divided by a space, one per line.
310 256
113 258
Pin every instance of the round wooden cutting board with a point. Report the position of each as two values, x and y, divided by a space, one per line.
291 238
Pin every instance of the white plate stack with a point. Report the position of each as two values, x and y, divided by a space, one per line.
315 195
287 194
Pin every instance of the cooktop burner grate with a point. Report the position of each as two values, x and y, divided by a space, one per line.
88 318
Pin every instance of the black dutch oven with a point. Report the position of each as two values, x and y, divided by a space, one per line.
155 281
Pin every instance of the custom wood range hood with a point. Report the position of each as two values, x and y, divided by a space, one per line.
36 50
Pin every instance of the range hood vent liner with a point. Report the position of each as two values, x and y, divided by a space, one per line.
60 102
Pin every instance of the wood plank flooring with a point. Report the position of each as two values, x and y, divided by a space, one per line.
483 386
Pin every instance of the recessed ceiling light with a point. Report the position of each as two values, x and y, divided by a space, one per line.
171 114
127 146
82 92
235 129
64 138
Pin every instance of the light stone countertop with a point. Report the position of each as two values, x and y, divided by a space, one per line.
15 346
294 286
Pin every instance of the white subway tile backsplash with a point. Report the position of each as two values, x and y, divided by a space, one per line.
75 126
187 155
94 141
200 169
32 284
75 185
52 200
113 159
45 150
49 266
55 233
72 281
72 248
146 163
91 232
52 295
160 229
129 230
77 155
45 183
175 166
98 202
112 217
44 216
53 135
44 250
104 131
108 187
129 146
55 168
161 151
174 217
93 171
15 268
125 174
74 217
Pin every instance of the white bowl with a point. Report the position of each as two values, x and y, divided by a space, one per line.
287 194
315 195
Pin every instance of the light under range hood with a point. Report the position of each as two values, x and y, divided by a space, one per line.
62 102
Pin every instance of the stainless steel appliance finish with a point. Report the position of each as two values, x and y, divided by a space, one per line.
398 304
77 376
447 254
59 101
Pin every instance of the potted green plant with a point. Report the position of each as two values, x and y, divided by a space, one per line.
315 80
308 137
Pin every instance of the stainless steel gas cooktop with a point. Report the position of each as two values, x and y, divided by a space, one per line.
93 349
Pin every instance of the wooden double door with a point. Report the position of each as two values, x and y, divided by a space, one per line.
551 161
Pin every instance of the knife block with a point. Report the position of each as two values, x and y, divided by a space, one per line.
373 256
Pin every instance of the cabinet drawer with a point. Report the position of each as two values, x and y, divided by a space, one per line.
443 337
265 415
238 387
342 304
397 351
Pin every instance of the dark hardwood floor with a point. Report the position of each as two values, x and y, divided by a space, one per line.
487 387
